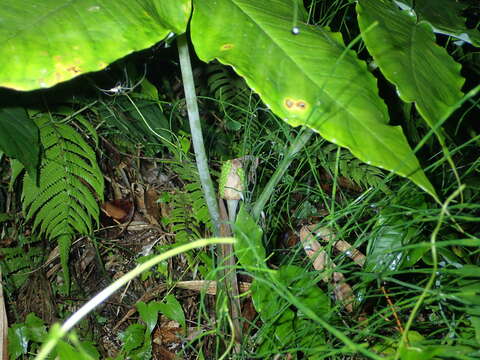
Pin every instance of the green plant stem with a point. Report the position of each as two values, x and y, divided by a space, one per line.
293 150
112 288
429 285
196 131
232 206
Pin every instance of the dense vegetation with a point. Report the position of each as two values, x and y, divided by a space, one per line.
343 142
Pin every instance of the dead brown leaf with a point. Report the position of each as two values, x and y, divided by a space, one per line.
321 261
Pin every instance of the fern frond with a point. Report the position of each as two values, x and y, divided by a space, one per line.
17 261
231 92
189 210
64 201
353 169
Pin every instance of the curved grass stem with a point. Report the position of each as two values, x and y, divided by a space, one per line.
426 290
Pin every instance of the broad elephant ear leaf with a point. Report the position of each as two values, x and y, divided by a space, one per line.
47 42
406 52
308 79
445 16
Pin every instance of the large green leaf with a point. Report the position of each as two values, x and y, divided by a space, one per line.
50 41
291 326
19 138
249 247
172 309
445 16
307 79
406 52
385 250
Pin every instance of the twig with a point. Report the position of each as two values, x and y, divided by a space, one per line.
209 286
230 276
3 325
394 312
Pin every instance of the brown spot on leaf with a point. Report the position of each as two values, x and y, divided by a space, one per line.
289 103
226 47
75 69
295 105
301 104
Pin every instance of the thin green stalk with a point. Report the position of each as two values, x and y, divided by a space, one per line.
295 147
427 288
196 131
335 177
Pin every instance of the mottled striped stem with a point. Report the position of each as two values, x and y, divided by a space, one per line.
196 131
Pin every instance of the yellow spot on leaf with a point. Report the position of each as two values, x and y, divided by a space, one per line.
301 104
74 69
15 85
65 71
295 105
289 103
226 47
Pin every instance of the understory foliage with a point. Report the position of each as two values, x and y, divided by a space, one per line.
345 261
17 261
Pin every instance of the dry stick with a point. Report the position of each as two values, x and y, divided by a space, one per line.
342 290
3 324
208 286
394 312
229 274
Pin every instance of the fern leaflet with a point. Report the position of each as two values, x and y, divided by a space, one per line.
353 169
232 94
189 209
